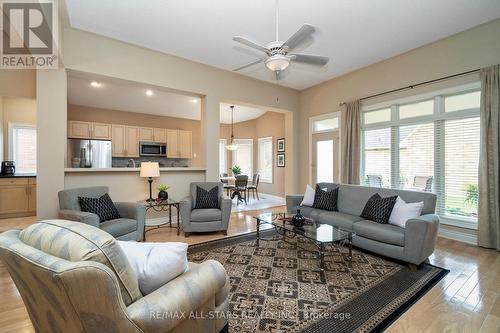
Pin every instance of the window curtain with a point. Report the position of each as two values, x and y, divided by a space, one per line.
350 140
489 177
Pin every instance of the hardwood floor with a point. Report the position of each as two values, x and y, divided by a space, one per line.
466 300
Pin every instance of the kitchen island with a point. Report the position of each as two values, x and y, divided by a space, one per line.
126 185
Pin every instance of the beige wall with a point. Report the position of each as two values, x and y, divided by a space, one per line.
469 50
16 110
270 124
84 113
18 83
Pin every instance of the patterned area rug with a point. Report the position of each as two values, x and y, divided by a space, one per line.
279 288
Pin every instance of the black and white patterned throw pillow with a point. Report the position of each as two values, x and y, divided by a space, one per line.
207 199
102 207
326 199
379 209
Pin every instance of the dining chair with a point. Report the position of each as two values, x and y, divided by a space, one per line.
254 187
225 182
240 188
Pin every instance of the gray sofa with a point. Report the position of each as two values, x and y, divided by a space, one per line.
412 244
205 220
129 227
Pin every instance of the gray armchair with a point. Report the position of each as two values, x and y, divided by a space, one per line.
205 220
129 227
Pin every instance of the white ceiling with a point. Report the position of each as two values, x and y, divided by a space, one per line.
352 33
241 113
130 96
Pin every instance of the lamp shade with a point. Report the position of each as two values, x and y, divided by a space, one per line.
150 169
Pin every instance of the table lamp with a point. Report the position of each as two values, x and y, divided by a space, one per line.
150 170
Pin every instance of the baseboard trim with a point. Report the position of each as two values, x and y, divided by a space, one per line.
272 196
458 236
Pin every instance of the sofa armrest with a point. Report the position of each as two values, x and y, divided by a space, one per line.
185 294
134 211
293 201
420 238
78 216
226 205
185 207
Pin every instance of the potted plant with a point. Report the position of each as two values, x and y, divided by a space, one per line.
162 191
236 170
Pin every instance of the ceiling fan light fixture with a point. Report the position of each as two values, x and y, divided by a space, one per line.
277 62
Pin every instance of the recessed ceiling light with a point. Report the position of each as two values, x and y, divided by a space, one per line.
95 84
149 92
194 100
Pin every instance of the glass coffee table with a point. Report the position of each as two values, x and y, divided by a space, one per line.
319 234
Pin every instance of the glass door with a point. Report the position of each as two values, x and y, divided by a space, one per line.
325 163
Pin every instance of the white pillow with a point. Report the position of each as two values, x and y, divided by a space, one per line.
308 197
402 212
155 263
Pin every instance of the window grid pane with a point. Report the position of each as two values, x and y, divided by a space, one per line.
222 156
326 124
24 149
416 157
266 160
373 117
419 109
324 161
462 102
377 157
461 167
243 156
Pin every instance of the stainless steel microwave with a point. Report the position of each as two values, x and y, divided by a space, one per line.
152 149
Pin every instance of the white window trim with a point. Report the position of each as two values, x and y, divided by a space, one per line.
311 132
439 114
224 155
245 141
261 179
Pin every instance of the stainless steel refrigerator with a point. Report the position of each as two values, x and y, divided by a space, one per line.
84 153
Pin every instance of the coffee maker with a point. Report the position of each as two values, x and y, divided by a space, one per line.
8 168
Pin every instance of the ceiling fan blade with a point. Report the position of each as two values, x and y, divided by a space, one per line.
309 59
305 31
251 43
247 65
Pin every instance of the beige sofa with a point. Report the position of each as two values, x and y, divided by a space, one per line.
75 278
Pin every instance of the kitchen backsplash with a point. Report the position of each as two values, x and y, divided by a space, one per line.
123 162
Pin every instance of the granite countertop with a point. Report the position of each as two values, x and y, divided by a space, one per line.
19 175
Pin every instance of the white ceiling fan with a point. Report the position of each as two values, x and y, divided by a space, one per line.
278 54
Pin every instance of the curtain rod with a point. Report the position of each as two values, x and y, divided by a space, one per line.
417 85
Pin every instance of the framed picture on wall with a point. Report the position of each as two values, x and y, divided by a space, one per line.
281 160
281 145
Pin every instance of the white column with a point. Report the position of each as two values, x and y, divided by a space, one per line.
51 91
210 131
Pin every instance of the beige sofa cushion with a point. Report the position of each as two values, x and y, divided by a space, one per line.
75 241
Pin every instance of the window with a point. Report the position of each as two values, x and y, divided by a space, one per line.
266 159
430 145
222 156
243 156
23 147
327 124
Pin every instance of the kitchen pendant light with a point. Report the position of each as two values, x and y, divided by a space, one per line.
232 145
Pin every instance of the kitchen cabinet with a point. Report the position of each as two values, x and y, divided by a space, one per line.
125 141
79 129
147 134
89 130
101 131
173 143
17 197
179 144
160 135
185 144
